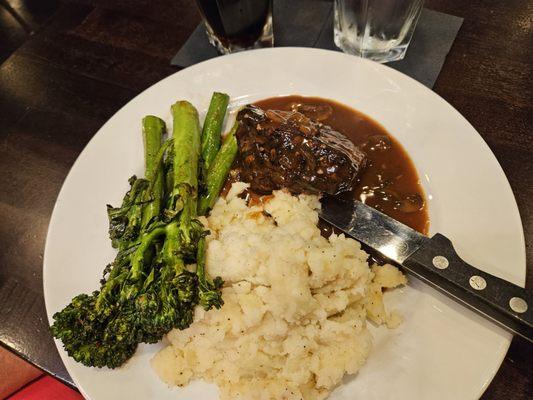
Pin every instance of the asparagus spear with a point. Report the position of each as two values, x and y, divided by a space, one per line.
212 129
219 170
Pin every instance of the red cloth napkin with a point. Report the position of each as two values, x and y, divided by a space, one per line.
46 388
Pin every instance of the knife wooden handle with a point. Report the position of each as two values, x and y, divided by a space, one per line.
437 263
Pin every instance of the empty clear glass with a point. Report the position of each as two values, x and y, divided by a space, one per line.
376 29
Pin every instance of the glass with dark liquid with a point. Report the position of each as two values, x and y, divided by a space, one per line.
234 25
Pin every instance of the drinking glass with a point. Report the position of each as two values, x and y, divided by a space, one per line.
234 25
376 29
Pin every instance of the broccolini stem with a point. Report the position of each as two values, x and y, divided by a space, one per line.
159 162
219 170
209 290
212 129
132 206
200 261
171 246
117 276
153 131
186 134
138 257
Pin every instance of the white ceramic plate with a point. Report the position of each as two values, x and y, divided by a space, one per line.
441 351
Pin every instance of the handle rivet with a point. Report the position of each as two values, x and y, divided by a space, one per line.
518 305
440 262
478 282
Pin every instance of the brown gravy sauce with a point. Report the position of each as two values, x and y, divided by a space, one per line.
390 182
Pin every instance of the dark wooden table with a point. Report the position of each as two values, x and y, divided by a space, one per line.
81 60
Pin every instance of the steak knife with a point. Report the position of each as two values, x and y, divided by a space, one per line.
434 261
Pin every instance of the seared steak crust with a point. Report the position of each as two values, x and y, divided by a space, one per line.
286 149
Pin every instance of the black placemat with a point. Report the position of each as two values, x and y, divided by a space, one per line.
309 23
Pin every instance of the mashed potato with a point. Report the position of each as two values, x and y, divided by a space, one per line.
296 304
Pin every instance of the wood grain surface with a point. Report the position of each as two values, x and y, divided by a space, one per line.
79 61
